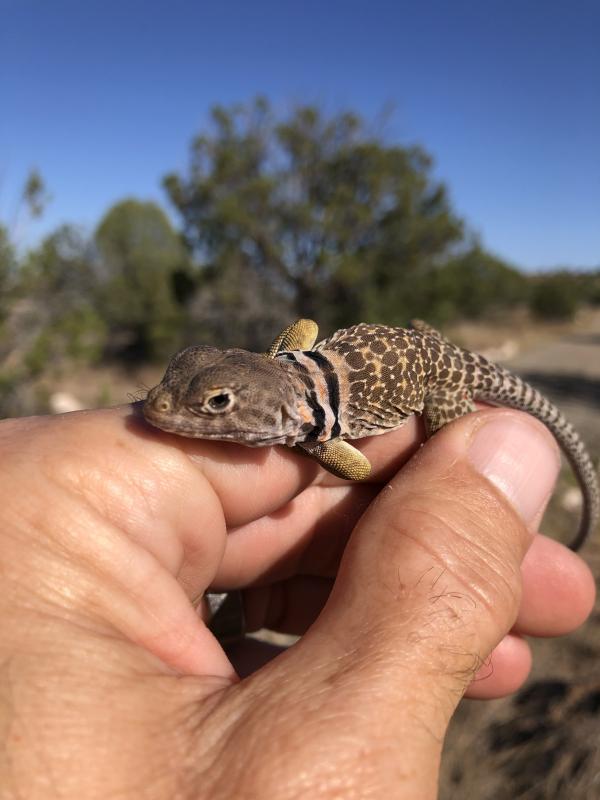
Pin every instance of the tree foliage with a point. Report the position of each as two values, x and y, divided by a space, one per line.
35 196
329 219
8 264
474 284
58 319
555 296
140 263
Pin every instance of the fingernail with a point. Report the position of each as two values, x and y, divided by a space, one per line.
520 459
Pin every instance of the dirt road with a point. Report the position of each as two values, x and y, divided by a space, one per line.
568 371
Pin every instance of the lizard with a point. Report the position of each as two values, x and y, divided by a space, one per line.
362 381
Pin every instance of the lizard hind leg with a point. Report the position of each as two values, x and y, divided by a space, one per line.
300 335
340 458
424 327
444 407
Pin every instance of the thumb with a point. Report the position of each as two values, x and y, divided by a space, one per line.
430 584
435 561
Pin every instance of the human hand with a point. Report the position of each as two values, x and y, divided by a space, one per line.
113 684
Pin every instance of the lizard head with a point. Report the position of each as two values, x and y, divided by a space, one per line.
230 395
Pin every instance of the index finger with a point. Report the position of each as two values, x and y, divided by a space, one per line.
251 482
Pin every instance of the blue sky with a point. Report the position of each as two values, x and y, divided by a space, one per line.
104 98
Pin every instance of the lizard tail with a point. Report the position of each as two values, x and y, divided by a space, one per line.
514 392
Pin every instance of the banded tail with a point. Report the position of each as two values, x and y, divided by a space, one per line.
513 392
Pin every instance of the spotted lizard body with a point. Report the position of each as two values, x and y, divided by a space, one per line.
362 381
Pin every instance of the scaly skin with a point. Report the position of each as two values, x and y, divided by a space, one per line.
362 381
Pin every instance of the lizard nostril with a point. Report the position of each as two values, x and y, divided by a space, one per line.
160 404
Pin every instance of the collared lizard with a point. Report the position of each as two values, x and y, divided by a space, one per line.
362 381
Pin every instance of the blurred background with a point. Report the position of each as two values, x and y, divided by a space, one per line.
188 172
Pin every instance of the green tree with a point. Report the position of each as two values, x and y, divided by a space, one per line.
32 202
556 295
54 319
7 270
592 291
142 265
313 212
60 267
50 322
472 284
35 195
588 284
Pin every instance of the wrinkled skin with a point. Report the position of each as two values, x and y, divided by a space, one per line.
402 587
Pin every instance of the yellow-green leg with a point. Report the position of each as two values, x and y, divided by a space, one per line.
300 335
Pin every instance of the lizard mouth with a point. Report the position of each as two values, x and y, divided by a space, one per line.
192 429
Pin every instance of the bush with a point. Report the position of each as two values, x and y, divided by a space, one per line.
555 296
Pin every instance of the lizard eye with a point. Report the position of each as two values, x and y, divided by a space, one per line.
220 402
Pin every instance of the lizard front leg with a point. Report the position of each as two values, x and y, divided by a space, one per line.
442 406
300 335
340 458
336 455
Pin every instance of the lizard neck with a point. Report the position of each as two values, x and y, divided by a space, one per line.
363 381
316 385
